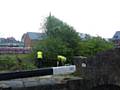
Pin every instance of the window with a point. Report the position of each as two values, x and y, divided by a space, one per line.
115 36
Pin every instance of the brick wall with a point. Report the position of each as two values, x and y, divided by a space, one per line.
27 41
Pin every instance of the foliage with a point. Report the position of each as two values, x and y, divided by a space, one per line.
51 47
10 62
61 39
93 45
57 29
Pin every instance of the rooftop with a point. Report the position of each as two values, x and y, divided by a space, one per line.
116 36
35 35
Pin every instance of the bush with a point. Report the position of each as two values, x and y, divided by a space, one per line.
10 62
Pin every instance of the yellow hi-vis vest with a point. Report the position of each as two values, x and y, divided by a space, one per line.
39 55
62 58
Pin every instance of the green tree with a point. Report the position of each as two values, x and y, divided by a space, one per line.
93 45
63 39
52 47
60 39
58 29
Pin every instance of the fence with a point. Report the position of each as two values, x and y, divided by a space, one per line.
14 50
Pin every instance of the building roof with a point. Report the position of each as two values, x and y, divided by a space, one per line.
35 36
10 42
116 36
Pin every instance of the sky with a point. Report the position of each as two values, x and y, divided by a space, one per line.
94 17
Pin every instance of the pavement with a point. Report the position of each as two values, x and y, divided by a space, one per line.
36 81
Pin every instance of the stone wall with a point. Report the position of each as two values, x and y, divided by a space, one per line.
104 68
39 83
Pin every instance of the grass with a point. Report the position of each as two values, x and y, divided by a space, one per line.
11 63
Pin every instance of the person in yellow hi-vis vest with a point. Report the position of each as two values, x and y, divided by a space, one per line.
39 59
61 60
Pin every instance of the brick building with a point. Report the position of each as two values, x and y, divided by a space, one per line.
31 38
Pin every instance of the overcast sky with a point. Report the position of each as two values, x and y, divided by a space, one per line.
94 17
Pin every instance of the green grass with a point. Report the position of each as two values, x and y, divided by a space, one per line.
10 62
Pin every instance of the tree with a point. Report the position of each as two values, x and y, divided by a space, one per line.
60 38
64 40
93 45
58 29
